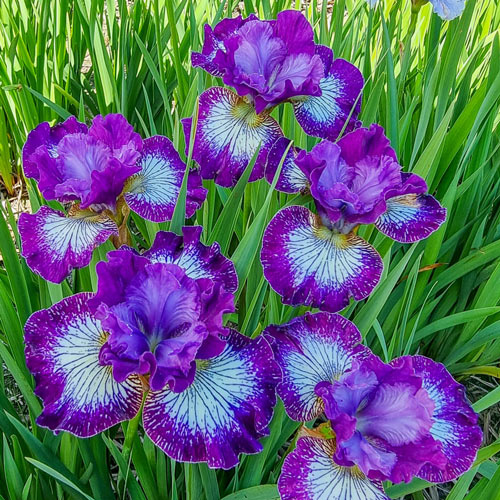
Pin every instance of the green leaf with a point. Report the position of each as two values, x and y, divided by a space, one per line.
61 479
264 492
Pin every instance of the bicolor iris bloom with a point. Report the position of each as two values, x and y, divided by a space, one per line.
267 63
99 173
317 259
395 421
154 333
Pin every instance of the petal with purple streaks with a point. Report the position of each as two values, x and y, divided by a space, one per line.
228 134
53 243
411 217
325 115
309 473
79 394
223 412
455 423
306 263
197 259
312 349
153 191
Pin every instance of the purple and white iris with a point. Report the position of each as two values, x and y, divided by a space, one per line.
101 172
154 332
395 421
267 62
318 259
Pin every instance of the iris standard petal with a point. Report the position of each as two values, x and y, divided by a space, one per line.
312 349
153 191
53 244
272 61
223 412
79 394
341 88
228 133
214 41
116 132
197 259
48 138
306 263
309 473
455 423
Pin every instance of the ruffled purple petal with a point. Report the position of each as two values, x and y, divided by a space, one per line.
411 217
214 41
85 169
382 420
309 473
365 142
115 275
228 134
79 394
341 88
153 191
292 179
272 61
48 137
53 244
455 424
197 259
352 179
224 412
116 132
312 349
308 264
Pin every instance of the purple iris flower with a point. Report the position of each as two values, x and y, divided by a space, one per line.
101 172
394 421
272 61
318 259
154 331
267 62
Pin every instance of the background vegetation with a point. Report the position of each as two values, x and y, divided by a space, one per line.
434 86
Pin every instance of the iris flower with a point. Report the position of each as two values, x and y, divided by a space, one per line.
317 259
267 63
153 334
100 174
395 421
445 9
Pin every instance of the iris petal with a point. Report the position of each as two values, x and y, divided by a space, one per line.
448 9
197 259
309 473
308 264
53 243
454 421
228 133
48 137
325 115
292 179
312 349
153 191
411 217
223 412
62 351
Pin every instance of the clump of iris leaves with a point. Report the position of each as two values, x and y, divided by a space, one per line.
433 85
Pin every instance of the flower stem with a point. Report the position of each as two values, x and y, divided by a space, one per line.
121 217
131 432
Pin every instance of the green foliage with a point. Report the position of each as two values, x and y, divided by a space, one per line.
434 86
